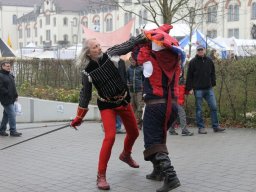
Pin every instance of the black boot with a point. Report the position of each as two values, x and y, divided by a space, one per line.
156 174
171 180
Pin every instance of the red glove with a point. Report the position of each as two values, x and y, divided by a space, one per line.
79 117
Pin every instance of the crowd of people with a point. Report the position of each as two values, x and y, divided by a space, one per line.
155 81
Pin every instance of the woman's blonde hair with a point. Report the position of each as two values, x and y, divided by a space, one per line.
83 59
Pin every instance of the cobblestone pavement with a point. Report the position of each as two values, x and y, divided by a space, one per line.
66 161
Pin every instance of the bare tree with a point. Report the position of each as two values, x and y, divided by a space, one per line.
161 11
194 18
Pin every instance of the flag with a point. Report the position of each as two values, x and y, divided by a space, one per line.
9 42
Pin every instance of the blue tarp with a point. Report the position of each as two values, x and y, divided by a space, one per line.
199 39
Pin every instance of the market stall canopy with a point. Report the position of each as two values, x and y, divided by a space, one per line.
6 51
109 39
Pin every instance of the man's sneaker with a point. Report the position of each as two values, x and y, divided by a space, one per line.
3 133
218 129
15 134
120 131
202 131
173 132
186 132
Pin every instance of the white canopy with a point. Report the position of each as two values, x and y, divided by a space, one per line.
240 47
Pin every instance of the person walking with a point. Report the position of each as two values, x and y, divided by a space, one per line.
135 80
200 80
122 72
8 95
181 111
101 70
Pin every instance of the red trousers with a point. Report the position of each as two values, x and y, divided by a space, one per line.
108 117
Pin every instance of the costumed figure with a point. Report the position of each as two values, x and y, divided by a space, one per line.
161 61
113 99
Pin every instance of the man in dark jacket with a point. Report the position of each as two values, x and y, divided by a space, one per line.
200 80
8 95
135 83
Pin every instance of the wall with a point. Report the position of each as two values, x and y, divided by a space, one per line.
39 110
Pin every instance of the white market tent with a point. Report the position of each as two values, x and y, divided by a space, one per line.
71 52
35 52
6 50
199 39
240 47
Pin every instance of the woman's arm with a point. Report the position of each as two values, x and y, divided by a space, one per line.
127 46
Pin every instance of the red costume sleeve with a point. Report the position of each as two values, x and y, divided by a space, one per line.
144 54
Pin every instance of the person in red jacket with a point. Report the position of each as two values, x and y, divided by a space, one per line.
160 59
181 112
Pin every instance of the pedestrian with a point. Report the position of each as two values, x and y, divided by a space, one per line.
160 60
181 111
122 72
200 80
101 70
8 95
135 80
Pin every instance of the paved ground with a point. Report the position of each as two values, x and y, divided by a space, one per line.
66 161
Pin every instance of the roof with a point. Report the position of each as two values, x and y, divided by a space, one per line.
23 3
63 5
74 5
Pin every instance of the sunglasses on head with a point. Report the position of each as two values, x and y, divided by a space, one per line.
200 49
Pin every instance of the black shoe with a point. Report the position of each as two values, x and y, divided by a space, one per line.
218 129
202 131
173 132
3 133
186 132
169 184
15 134
156 175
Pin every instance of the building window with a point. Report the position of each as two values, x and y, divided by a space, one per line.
74 39
14 19
253 11
74 22
145 16
55 39
126 18
47 20
109 24
20 44
41 40
236 13
233 13
54 21
48 35
40 23
35 32
84 22
28 33
233 33
65 21
20 33
65 37
127 2
212 33
212 14
96 25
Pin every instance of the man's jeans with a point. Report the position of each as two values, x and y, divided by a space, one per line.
209 96
118 122
8 116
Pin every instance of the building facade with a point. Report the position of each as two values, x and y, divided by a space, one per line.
48 23
230 18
